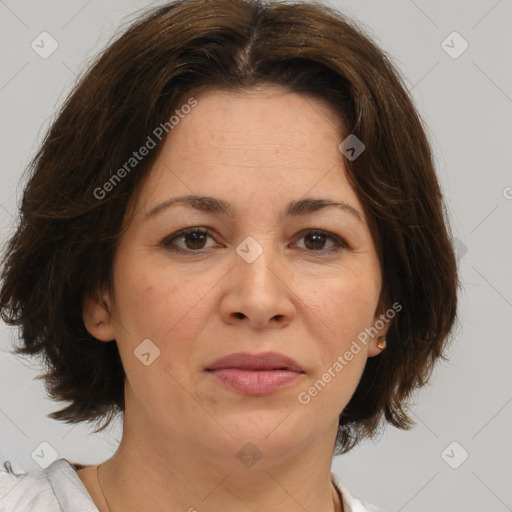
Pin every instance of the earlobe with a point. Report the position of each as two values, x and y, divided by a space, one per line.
376 346
97 319
381 344
381 325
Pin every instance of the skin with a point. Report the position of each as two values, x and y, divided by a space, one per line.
258 150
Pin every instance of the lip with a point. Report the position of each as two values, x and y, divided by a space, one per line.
256 374
259 361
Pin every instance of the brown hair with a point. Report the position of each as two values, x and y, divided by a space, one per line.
64 244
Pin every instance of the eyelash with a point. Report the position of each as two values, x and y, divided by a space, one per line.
167 242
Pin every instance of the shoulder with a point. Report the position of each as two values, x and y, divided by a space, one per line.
54 489
351 504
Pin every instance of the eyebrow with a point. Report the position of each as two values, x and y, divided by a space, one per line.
217 206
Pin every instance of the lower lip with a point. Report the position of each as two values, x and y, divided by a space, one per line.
255 382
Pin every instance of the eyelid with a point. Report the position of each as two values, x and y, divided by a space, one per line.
183 232
340 243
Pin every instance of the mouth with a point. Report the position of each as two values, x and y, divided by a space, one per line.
263 361
256 374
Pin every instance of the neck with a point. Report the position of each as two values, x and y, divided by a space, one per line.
167 474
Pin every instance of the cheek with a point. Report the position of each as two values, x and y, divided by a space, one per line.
356 307
152 299
160 304
341 313
343 306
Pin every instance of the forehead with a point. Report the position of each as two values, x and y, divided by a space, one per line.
264 144
267 115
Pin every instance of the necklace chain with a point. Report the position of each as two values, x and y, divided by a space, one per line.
109 510
101 488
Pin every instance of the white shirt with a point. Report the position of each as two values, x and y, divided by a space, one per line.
58 488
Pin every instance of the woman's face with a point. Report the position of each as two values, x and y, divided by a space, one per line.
257 281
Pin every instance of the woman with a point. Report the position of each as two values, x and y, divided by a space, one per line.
233 235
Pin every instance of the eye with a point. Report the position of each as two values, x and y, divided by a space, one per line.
315 241
194 240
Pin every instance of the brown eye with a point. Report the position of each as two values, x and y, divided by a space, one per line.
193 239
315 241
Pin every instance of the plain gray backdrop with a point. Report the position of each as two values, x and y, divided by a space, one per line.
458 457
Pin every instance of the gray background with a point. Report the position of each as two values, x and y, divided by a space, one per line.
466 103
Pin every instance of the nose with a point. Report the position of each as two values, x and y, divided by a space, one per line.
259 293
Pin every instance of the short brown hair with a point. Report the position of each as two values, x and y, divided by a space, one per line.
64 244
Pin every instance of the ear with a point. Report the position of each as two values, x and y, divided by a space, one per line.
381 324
97 317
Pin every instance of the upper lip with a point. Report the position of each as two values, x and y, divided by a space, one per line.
260 361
